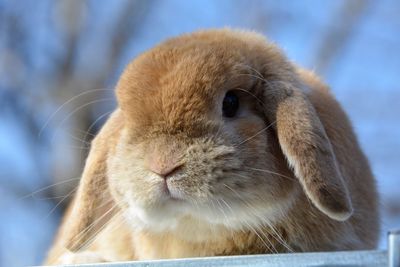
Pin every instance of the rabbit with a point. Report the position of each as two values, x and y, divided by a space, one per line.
220 146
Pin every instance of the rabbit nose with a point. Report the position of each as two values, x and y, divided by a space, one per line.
164 167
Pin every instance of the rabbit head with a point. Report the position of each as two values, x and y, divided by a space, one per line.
203 125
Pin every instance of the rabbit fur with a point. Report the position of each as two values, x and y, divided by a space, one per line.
286 174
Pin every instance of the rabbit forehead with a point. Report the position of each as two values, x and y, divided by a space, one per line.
181 84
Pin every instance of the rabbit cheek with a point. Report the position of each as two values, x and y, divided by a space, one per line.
253 148
263 178
126 176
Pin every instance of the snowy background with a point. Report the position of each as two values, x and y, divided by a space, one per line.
72 52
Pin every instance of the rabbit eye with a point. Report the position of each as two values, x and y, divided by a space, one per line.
230 105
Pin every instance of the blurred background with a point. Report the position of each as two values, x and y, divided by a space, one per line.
59 62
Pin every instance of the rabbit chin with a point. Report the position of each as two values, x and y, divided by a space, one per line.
201 222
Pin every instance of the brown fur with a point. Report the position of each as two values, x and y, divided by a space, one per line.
287 174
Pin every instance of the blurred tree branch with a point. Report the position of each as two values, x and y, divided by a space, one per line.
72 83
338 36
67 78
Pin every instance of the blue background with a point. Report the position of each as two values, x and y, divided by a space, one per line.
52 51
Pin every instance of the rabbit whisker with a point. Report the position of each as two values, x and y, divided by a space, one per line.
78 139
84 132
66 103
251 94
77 109
252 229
103 227
279 238
270 83
93 124
259 132
271 172
59 203
48 187
82 234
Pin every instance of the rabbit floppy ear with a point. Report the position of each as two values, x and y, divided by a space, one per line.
86 216
308 150
80 223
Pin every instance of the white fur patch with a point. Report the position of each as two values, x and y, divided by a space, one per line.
203 223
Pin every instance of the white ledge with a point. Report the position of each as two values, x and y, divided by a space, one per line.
346 258
367 258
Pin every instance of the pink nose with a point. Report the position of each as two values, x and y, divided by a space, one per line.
164 167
